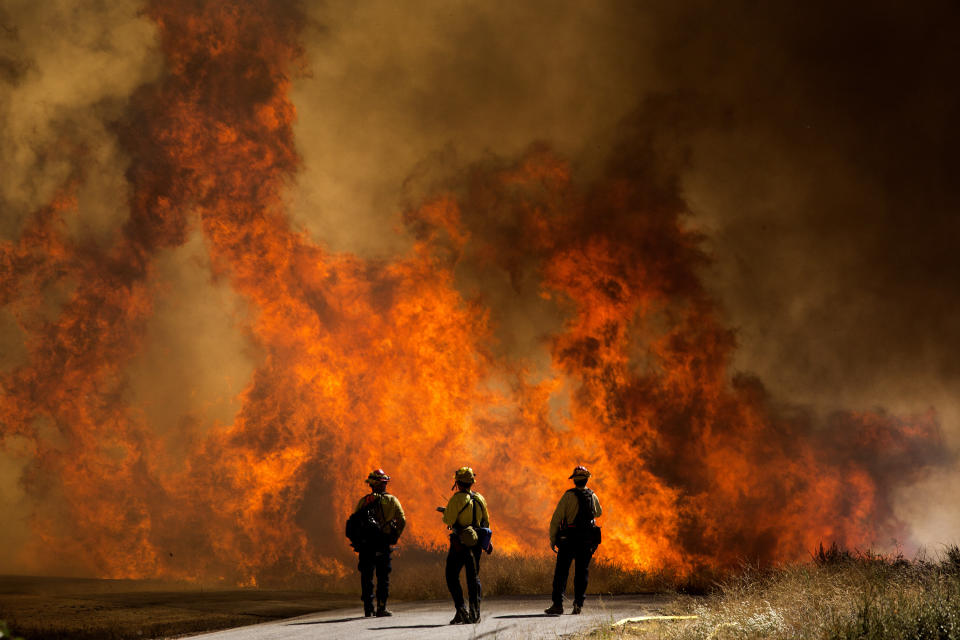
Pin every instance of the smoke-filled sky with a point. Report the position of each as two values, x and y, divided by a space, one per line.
813 144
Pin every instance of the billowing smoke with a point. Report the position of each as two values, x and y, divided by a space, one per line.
58 99
270 255
817 144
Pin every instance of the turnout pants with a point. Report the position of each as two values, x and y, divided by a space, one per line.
461 557
376 559
581 555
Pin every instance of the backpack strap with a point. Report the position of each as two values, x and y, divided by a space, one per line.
377 498
364 503
585 505
464 508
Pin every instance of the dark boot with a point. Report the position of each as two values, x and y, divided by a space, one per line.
554 610
474 612
576 609
462 616
367 609
382 609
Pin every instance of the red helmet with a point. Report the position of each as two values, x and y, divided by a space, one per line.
580 472
377 476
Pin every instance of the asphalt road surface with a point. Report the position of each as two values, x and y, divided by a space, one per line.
509 618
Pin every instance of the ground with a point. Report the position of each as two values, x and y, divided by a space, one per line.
76 608
82 609
503 618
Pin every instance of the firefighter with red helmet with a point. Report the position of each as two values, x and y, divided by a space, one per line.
382 517
574 537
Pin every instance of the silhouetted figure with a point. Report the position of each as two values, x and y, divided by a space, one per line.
574 537
373 528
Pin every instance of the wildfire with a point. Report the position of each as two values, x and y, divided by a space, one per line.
368 364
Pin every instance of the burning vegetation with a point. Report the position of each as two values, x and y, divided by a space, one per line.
399 363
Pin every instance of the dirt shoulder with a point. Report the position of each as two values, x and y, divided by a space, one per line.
77 609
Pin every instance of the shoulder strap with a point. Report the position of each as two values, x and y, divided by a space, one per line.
585 506
364 503
375 500
474 501
465 505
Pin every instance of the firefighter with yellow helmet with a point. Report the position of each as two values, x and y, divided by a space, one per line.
469 521
376 525
574 537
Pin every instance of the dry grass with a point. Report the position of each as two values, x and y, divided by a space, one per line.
838 596
419 575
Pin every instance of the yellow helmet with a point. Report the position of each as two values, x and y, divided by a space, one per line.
580 472
465 474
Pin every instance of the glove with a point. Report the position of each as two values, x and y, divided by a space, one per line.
553 547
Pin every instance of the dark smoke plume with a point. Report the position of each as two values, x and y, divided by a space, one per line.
724 194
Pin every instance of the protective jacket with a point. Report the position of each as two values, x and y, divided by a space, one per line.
567 510
458 505
392 510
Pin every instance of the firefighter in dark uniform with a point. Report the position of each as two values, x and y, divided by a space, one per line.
465 511
574 538
376 557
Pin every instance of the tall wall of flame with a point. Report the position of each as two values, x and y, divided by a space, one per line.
394 363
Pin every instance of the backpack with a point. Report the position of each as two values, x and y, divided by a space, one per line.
467 534
365 525
473 534
583 530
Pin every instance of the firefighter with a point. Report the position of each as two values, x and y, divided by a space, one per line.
574 537
465 511
374 552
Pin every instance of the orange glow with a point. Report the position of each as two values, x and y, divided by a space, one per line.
387 364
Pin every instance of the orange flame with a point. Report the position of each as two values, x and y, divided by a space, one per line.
368 364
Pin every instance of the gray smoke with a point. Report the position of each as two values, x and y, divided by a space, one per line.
817 150
815 144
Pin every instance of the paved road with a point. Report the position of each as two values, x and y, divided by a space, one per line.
510 618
